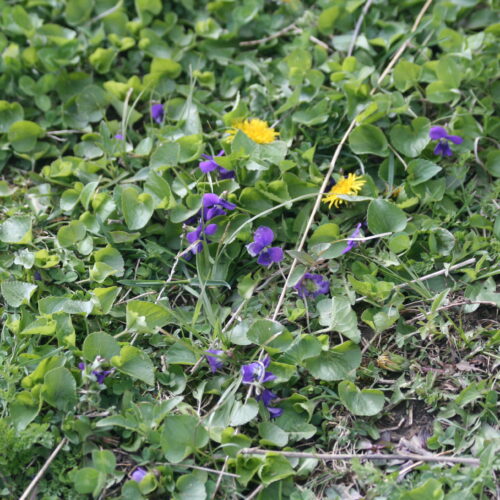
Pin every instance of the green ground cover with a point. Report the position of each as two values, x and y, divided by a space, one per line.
236 236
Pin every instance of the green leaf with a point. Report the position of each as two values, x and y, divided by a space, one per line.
247 467
190 487
108 262
102 59
243 413
449 72
335 364
24 409
368 139
104 461
41 326
380 319
263 329
135 363
411 140
137 208
384 217
78 11
23 135
338 315
159 190
146 317
191 147
10 113
181 354
59 389
304 347
167 155
272 435
432 489
105 298
276 467
51 305
6 190
88 480
16 293
420 171
406 75
441 241
439 92
167 67
327 18
366 402
181 436
74 232
100 344
326 233
16 230
493 162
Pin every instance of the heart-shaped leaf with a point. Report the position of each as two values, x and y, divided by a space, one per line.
135 363
368 139
366 402
384 217
137 208
336 363
72 233
16 293
182 435
411 140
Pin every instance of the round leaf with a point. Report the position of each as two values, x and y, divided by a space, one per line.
100 344
181 436
368 139
10 113
23 135
384 217
16 293
59 388
366 403
16 230
411 140
137 208
336 363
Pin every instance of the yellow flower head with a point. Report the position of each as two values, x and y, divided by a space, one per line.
257 130
350 185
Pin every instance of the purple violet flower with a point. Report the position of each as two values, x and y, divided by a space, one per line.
197 236
267 396
100 375
213 358
213 205
312 285
211 164
262 239
443 148
119 137
352 243
139 474
157 113
256 372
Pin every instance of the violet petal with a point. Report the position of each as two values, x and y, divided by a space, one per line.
436 133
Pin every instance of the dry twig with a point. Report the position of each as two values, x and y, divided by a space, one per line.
42 471
363 456
358 27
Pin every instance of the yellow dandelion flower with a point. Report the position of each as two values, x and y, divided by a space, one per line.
350 185
257 130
